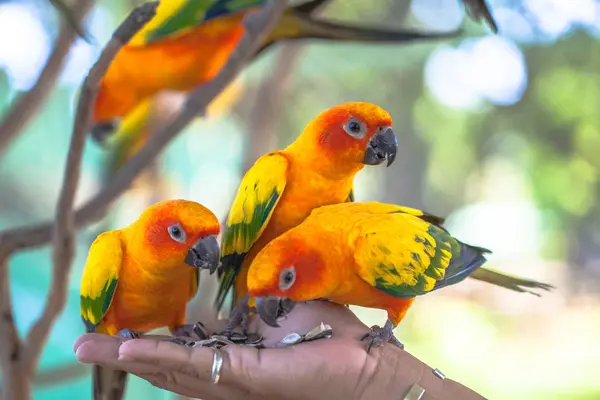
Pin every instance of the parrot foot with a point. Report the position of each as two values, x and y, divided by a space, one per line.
129 334
197 330
240 315
379 336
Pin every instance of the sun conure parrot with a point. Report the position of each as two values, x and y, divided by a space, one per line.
137 278
366 254
318 169
281 189
189 41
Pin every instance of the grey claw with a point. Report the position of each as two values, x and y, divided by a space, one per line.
190 330
128 333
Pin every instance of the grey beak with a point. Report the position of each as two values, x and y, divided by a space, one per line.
273 309
382 146
204 254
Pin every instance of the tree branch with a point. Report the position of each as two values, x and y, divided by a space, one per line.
11 347
70 18
258 27
64 226
268 102
24 108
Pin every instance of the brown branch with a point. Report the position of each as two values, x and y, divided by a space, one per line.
258 27
59 375
269 99
71 19
11 348
25 107
64 227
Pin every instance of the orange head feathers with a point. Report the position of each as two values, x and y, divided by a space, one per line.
288 267
346 137
175 231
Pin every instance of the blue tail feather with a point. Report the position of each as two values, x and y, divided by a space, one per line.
463 264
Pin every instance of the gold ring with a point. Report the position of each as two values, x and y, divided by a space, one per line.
217 363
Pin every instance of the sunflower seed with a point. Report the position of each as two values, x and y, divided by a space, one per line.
222 339
177 340
292 338
320 332
253 338
236 337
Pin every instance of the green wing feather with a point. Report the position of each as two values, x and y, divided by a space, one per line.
405 256
175 17
256 199
100 278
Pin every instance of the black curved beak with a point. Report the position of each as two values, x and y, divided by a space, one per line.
273 309
101 131
204 254
382 146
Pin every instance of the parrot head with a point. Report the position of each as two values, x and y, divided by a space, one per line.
173 232
349 136
287 271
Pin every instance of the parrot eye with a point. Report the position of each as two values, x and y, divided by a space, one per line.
287 278
177 233
355 128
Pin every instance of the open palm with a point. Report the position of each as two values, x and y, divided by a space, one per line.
334 368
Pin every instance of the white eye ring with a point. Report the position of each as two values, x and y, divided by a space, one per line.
287 277
177 233
355 128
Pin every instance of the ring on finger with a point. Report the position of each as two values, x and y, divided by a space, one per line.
215 374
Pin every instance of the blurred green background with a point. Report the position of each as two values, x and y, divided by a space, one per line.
500 133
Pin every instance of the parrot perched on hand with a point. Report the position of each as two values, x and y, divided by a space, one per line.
366 254
137 279
282 188
318 169
188 42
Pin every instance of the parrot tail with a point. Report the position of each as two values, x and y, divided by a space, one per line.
298 23
109 384
479 10
467 260
510 282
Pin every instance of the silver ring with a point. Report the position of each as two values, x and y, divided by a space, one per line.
217 363
439 374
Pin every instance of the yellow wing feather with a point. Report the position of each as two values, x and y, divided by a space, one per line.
256 199
100 277
374 207
398 254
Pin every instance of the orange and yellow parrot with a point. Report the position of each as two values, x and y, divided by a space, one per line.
318 169
366 254
137 279
189 41
282 188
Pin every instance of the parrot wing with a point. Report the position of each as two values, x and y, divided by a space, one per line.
405 256
377 208
351 196
256 199
176 17
100 278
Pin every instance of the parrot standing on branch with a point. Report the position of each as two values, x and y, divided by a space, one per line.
318 169
189 41
137 279
366 254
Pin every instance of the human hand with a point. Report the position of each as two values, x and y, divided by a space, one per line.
334 368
